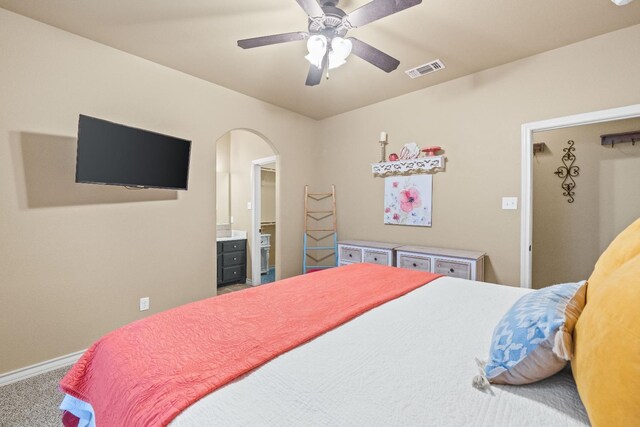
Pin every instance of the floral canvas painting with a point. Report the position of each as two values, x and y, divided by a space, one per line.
407 200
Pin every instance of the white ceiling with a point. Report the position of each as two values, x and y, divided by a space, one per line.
199 37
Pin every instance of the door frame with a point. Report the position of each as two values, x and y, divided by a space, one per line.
526 220
256 193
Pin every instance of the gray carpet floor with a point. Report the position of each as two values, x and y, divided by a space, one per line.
32 402
232 288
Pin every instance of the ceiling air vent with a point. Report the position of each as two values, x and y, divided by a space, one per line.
427 68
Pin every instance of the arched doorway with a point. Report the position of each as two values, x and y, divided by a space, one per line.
247 183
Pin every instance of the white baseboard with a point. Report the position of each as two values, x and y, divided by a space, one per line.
39 368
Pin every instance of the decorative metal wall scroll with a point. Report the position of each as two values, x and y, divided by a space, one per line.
568 171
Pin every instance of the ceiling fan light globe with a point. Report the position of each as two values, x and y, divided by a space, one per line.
335 60
314 59
317 45
341 47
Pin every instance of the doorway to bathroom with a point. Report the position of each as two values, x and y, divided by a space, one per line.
246 206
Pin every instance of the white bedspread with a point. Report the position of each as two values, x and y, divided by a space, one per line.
407 363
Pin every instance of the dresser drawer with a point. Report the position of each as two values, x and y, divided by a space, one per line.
232 261
376 257
233 245
232 273
233 258
414 262
453 268
350 254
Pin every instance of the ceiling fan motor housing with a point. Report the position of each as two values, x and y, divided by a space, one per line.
332 22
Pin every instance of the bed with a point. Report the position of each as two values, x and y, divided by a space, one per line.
408 361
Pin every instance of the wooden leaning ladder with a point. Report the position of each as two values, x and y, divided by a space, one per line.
318 233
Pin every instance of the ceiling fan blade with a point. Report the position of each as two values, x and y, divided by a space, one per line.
377 9
315 74
273 39
373 56
312 8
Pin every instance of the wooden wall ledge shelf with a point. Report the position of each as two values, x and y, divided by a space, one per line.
421 165
617 138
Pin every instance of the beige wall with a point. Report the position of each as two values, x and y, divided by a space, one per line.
245 147
70 273
223 179
268 196
477 119
568 238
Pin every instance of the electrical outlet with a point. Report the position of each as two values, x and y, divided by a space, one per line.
509 203
144 303
248 205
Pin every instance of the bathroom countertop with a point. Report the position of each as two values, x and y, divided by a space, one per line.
235 235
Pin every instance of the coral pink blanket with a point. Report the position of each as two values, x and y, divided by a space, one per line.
146 373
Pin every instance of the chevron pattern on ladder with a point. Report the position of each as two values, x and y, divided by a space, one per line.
324 228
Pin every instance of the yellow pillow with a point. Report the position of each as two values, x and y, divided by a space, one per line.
606 363
624 247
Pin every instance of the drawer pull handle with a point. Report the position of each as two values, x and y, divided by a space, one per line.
235 259
235 272
375 259
415 265
350 255
451 270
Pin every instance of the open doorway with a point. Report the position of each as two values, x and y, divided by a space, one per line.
571 229
238 241
264 178
528 136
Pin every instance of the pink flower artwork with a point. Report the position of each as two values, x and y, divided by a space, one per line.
407 200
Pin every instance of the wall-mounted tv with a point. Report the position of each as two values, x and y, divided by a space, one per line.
110 153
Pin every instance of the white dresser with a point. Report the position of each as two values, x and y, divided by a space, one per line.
354 251
450 262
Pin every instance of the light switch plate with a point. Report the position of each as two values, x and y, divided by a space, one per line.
144 303
509 203
248 205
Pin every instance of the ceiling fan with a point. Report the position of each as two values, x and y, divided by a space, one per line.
327 46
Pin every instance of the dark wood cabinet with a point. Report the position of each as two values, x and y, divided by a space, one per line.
232 262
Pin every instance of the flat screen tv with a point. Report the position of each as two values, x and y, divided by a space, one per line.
110 153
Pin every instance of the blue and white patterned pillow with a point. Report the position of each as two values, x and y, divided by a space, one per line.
533 340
